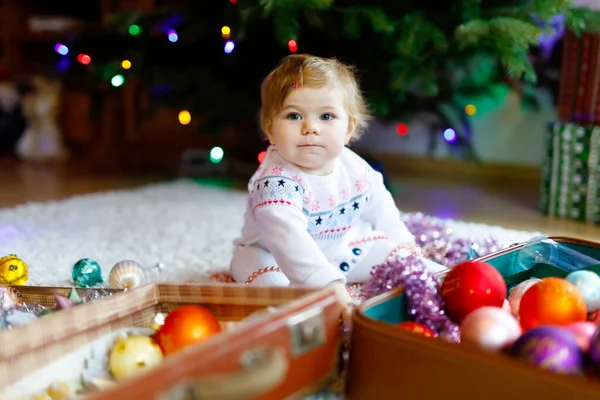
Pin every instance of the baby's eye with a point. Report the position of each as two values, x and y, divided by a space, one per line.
293 116
327 117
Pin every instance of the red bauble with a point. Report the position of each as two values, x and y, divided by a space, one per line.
416 328
184 326
471 285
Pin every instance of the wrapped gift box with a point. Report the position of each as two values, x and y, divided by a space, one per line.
571 172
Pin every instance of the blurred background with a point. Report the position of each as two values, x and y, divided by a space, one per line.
485 110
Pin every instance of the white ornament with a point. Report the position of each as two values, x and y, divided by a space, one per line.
126 274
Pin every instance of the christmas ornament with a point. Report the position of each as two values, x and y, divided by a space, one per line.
506 306
184 326
583 332
516 293
491 328
126 274
552 301
594 352
10 298
416 328
59 391
87 273
64 303
421 289
74 296
550 347
13 271
133 355
588 284
471 285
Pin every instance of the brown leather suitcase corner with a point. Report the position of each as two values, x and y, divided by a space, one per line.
389 363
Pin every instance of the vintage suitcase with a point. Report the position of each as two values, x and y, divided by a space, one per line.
33 338
388 363
289 344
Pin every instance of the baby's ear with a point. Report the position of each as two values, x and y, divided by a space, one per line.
352 122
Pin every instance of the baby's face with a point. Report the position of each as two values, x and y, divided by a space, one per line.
312 128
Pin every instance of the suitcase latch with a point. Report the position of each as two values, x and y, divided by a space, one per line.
307 330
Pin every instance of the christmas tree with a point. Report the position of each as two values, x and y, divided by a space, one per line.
209 59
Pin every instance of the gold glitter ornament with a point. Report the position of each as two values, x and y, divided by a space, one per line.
126 274
59 391
13 271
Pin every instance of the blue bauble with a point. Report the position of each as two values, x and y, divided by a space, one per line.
87 273
588 284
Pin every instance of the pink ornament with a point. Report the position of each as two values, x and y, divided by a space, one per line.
506 306
63 302
10 298
517 292
491 328
583 332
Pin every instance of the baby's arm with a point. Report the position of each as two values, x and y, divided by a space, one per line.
382 212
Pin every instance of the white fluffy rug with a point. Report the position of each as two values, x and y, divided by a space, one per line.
186 226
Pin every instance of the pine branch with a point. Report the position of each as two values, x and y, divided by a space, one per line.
271 5
286 25
582 18
418 33
471 9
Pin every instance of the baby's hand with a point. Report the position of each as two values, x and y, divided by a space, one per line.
345 298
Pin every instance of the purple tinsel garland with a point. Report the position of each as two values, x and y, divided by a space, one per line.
435 238
436 242
421 287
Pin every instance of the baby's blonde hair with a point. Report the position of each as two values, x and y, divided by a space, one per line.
298 70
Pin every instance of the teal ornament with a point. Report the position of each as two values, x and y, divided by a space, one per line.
588 284
87 273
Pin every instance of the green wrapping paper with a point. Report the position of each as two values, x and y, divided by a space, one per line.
571 172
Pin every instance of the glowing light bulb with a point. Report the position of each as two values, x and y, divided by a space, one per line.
117 80
450 135
84 59
293 46
135 30
216 154
61 49
229 46
184 117
173 36
402 129
226 30
126 64
261 156
470 109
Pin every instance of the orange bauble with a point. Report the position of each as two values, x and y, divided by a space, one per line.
184 326
552 301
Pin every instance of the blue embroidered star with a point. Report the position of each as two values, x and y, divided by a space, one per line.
319 220
297 188
355 205
266 184
281 182
342 211
366 198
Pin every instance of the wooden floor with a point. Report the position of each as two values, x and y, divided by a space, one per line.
511 205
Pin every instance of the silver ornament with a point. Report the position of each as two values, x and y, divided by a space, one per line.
126 274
